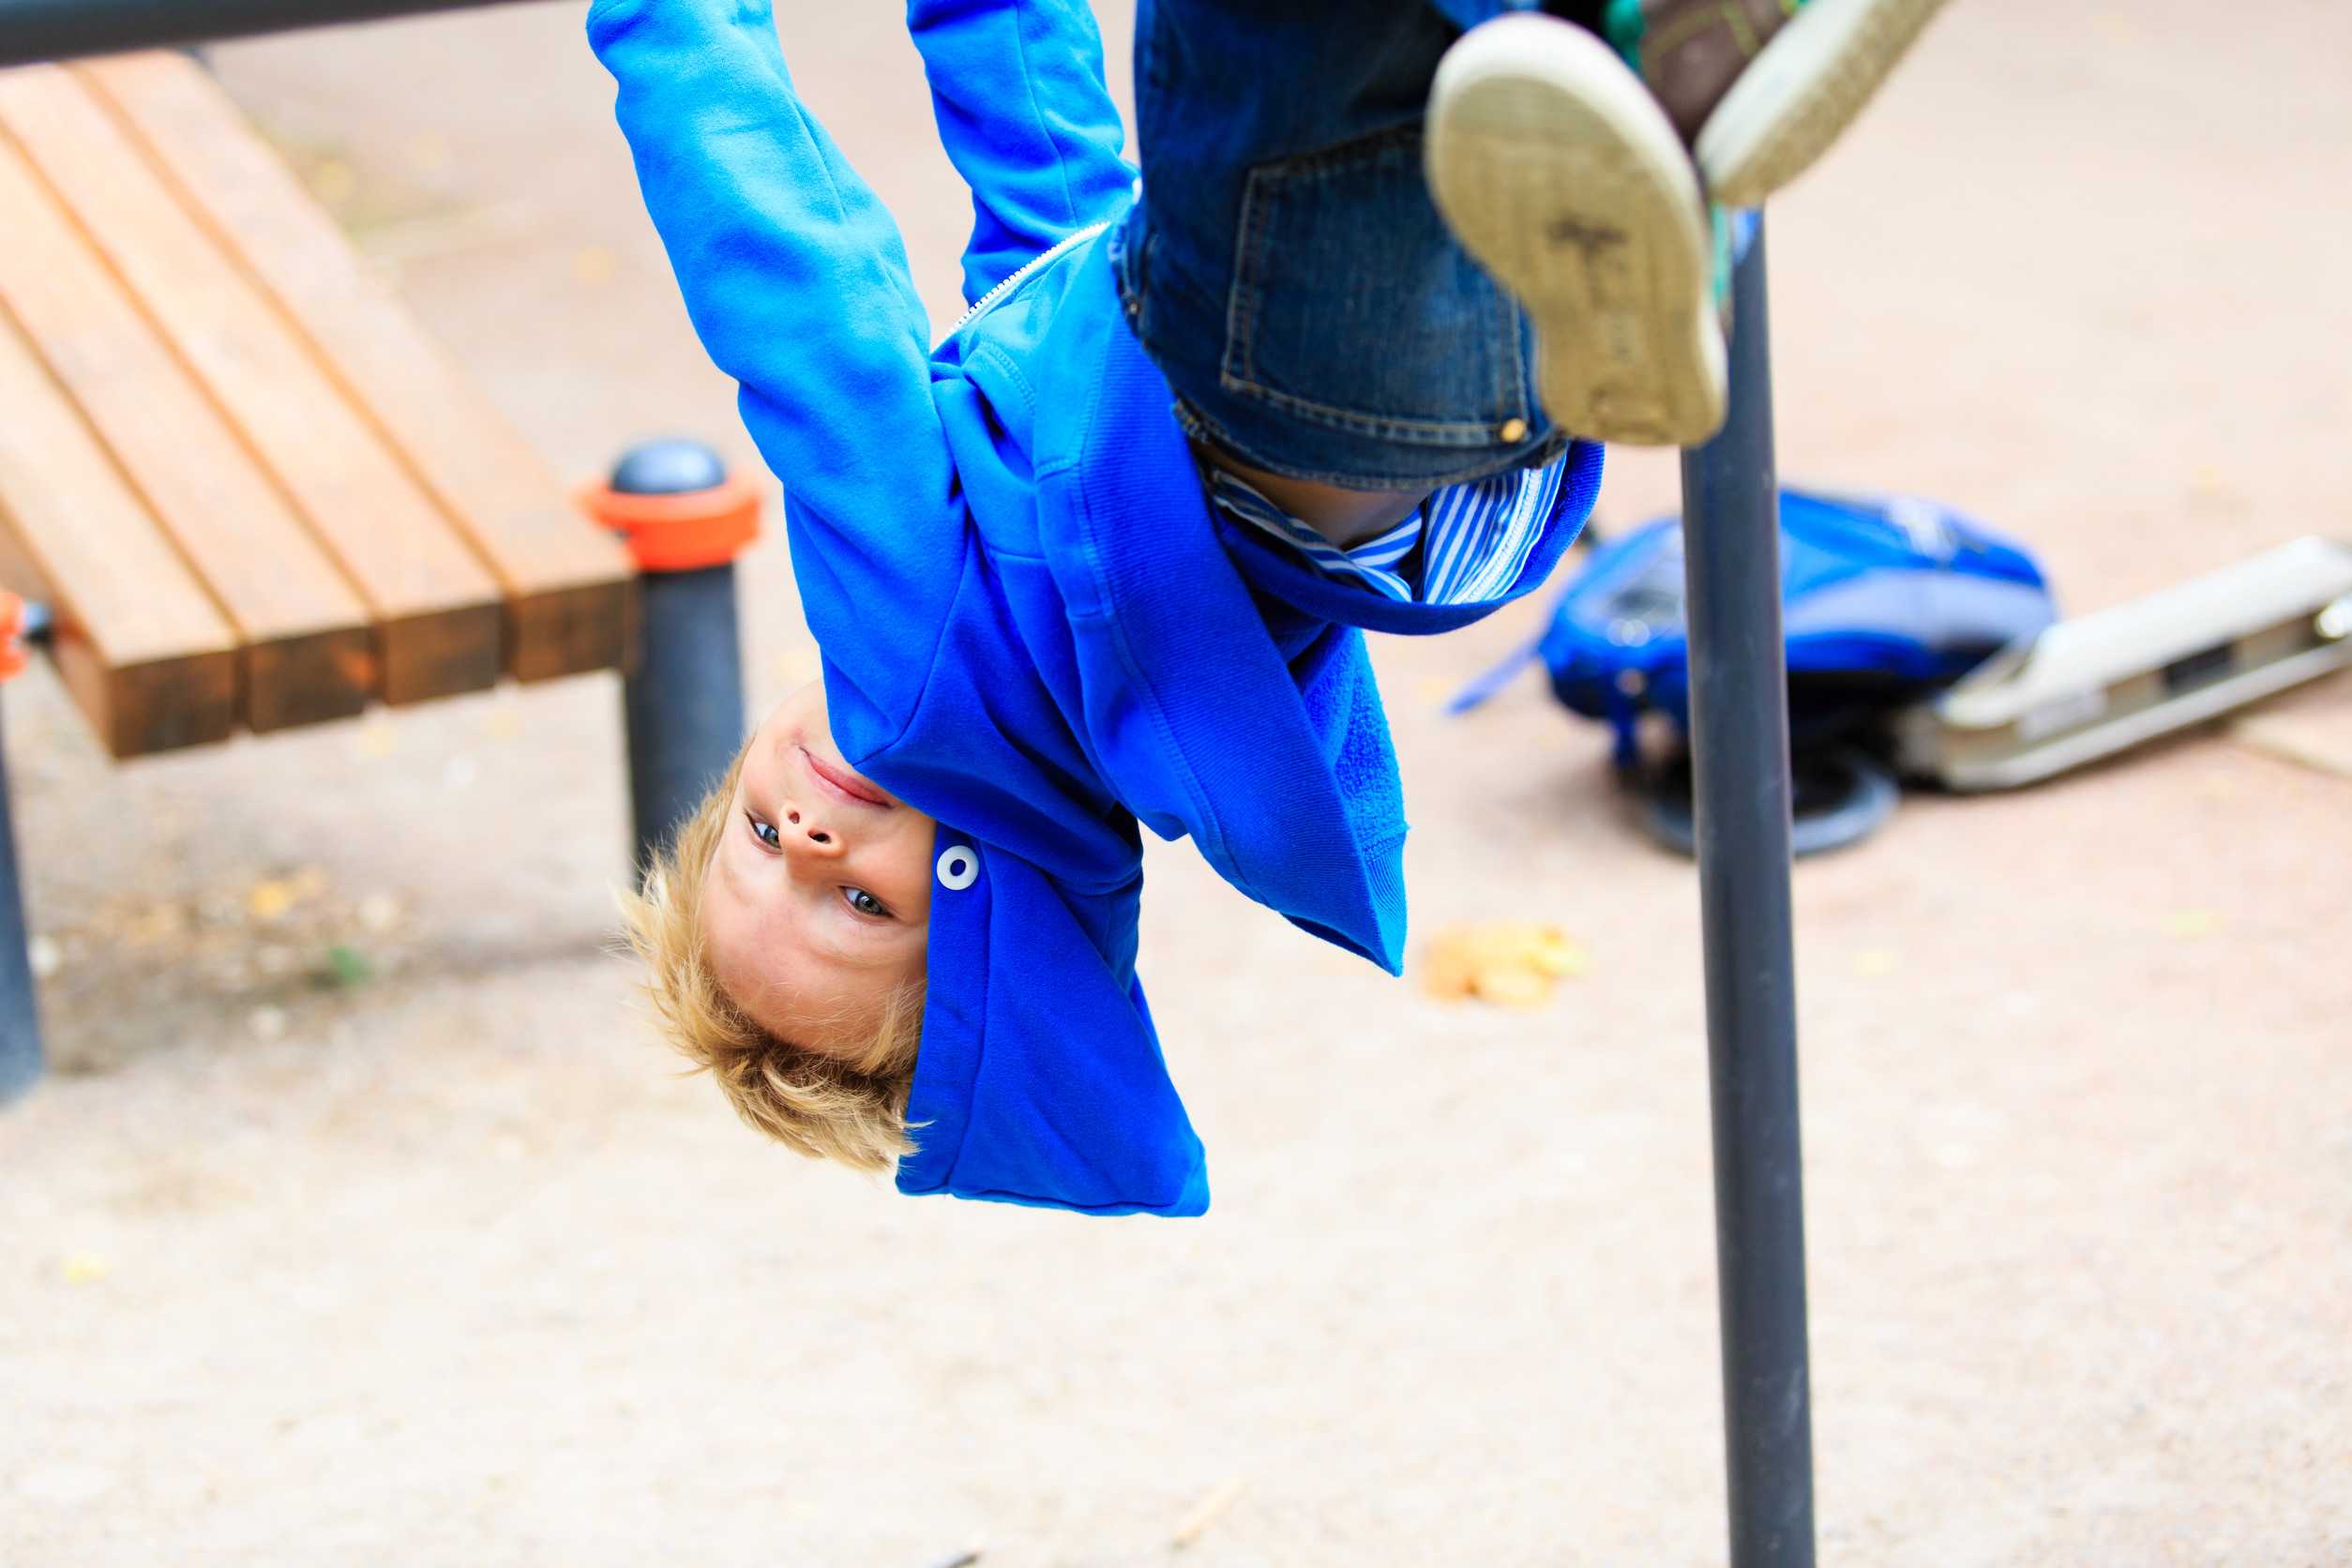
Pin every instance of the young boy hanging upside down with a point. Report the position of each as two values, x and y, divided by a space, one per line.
1103 558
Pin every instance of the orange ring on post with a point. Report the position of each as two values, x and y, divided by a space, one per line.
12 654
677 533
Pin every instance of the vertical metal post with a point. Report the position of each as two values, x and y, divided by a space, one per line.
20 1013
684 519
683 702
1741 792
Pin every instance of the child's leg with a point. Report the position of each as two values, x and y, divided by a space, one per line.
1287 269
1289 272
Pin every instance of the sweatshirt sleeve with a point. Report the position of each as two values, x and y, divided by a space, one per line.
1016 86
797 283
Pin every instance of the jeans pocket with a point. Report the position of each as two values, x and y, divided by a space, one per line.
1353 307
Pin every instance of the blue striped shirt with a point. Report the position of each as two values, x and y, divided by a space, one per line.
1471 538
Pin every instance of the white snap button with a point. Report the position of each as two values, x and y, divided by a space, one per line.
959 869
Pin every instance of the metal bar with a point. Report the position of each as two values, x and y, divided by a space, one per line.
1741 790
32 30
683 703
20 1013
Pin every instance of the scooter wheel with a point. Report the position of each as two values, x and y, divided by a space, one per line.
1843 796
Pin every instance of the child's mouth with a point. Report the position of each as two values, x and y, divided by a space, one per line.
841 781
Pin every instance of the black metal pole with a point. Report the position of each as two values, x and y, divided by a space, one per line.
20 1013
1740 789
32 30
684 701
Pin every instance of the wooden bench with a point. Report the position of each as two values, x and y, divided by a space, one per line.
253 492
252 489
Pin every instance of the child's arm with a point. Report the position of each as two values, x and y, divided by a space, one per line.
797 282
1018 88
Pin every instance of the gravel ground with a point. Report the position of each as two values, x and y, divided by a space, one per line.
442 1264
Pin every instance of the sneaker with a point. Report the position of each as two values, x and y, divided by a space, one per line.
1556 170
1759 88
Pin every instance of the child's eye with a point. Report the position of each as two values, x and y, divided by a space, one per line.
865 903
766 832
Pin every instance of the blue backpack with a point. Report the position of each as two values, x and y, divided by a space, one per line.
1884 600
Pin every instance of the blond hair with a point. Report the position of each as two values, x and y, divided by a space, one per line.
848 1107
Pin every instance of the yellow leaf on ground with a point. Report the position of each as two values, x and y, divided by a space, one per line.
82 1268
268 901
1511 963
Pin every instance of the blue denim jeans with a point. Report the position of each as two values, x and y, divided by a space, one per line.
1286 267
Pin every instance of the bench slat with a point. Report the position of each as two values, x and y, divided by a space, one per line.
308 642
568 582
438 608
140 645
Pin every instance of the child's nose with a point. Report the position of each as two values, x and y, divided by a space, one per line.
805 832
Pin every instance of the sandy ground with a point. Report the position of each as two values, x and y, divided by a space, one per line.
445 1267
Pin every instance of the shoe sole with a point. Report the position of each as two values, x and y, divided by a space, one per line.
1556 169
1802 92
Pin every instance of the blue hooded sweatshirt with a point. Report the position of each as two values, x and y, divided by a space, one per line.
1033 627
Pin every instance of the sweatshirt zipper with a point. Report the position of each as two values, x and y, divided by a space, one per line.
988 301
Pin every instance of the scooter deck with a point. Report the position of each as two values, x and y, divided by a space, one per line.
2097 684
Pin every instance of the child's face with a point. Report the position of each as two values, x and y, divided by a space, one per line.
818 903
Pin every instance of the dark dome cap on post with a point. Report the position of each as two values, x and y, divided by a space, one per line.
668 465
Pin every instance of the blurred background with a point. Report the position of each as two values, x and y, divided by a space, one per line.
425 1254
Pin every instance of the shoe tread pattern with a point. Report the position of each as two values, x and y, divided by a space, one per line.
1609 260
